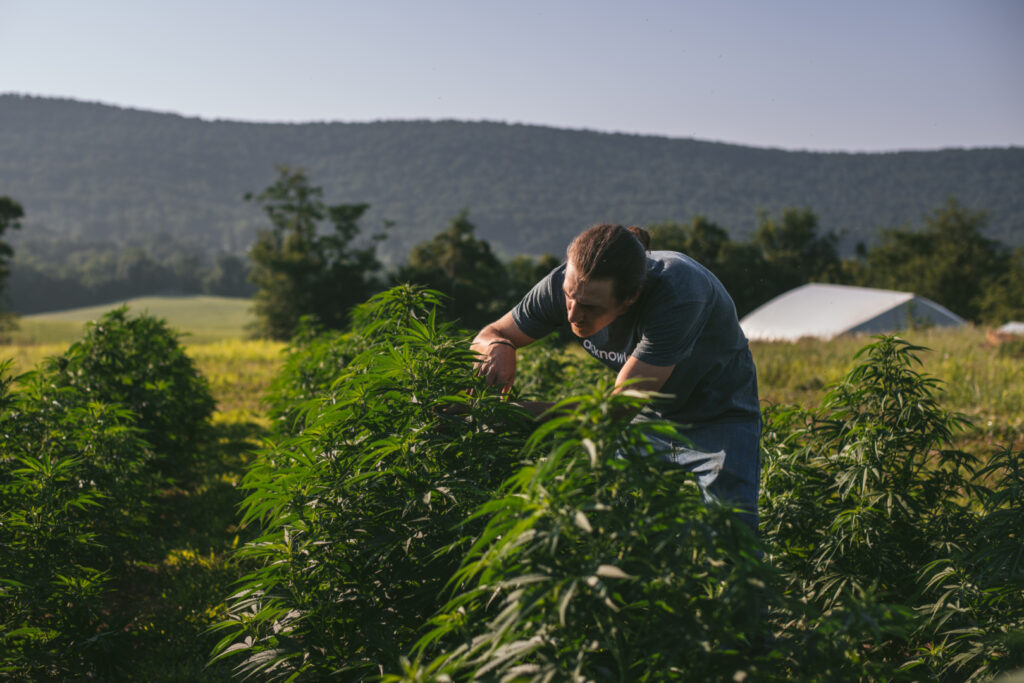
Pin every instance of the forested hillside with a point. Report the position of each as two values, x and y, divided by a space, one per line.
87 171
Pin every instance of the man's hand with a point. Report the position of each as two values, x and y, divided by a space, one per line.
496 362
495 347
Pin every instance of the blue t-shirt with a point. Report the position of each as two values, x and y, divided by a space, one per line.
683 317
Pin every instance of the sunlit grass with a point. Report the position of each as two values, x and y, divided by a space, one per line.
27 356
239 372
978 380
200 319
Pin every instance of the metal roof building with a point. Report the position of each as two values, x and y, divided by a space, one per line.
826 311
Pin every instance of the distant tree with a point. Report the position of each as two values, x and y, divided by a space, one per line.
229 277
739 266
794 251
1003 300
11 214
950 261
701 240
524 272
464 268
300 270
138 274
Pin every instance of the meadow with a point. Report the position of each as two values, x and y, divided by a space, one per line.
172 594
202 319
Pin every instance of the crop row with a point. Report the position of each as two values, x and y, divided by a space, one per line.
405 523
86 440
415 526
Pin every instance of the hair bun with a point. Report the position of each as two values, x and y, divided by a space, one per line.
642 235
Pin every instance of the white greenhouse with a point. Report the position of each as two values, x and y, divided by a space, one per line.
827 311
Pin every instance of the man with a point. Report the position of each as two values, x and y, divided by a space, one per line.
662 319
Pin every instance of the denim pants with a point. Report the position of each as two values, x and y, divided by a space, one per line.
726 457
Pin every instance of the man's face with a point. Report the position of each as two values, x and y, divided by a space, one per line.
591 305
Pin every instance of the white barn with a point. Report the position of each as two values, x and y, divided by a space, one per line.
827 311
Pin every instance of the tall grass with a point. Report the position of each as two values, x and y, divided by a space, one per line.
977 379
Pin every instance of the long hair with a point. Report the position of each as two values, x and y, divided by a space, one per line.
614 252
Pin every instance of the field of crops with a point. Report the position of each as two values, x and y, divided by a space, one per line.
346 508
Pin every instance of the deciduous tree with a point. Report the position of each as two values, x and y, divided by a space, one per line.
794 250
524 272
301 269
740 266
462 266
950 261
11 214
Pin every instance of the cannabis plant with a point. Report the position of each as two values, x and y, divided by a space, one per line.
867 499
73 498
602 561
363 511
137 362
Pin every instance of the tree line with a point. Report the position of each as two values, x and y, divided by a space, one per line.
55 273
300 269
313 259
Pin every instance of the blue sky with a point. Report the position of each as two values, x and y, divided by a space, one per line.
862 75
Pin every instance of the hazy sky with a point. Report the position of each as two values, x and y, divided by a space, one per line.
856 75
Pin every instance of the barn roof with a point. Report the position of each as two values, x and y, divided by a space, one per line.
825 311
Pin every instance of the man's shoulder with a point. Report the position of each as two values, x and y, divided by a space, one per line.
551 284
674 262
674 276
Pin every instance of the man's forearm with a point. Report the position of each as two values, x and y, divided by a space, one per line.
489 335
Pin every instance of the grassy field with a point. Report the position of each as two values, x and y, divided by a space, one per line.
200 318
982 381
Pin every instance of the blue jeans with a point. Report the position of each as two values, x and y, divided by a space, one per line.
726 457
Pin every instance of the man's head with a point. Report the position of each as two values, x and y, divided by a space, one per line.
605 272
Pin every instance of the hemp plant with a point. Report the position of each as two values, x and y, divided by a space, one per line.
602 561
886 488
362 511
867 500
138 362
73 499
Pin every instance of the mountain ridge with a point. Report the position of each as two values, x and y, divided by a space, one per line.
93 171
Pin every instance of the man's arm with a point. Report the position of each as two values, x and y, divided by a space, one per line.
649 377
495 346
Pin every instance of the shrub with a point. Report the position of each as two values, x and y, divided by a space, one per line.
316 356
139 364
866 498
72 499
547 371
971 603
390 549
383 513
602 562
363 512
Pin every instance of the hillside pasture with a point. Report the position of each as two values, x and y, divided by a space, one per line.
200 319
